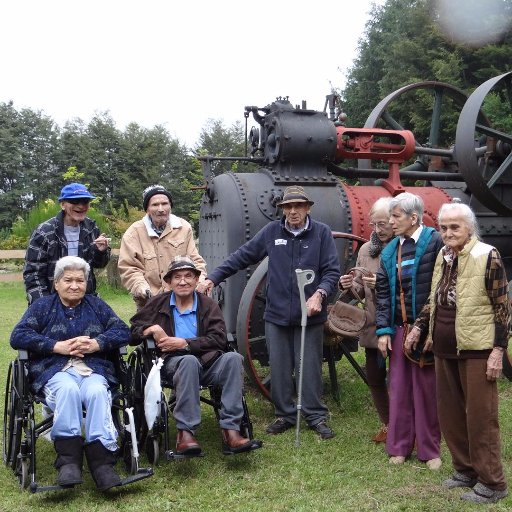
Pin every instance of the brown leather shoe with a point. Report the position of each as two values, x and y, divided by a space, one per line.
233 442
381 435
186 444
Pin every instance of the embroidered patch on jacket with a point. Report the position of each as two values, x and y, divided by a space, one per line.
280 241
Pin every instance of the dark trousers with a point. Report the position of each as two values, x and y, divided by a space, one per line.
468 415
188 376
376 375
283 344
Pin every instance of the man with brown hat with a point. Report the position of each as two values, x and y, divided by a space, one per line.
190 334
150 244
296 241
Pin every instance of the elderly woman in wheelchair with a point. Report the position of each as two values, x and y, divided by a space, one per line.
190 335
69 335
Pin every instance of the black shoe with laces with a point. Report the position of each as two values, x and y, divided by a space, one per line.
278 426
323 430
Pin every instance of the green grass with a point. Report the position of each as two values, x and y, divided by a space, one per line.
348 472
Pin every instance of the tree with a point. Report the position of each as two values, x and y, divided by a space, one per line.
218 141
404 43
28 171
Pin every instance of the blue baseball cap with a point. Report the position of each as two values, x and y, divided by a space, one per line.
75 191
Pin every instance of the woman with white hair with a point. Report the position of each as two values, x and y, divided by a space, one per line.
467 319
68 335
364 287
402 288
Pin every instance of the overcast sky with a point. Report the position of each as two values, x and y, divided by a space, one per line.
174 62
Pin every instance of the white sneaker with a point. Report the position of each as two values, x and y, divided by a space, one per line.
398 459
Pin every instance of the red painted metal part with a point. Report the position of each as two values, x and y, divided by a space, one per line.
373 143
361 199
393 147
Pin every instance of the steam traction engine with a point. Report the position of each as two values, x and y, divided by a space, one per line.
297 146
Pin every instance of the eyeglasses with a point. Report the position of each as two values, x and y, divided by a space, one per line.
78 201
185 277
380 225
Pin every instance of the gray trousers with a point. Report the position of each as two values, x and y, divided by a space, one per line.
187 376
283 345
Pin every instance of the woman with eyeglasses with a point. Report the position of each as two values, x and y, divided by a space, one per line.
364 287
69 233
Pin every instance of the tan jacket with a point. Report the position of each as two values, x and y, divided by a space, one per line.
474 320
144 256
367 338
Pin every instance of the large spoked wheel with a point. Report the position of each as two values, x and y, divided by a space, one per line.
250 326
250 330
484 153
430 110
13 416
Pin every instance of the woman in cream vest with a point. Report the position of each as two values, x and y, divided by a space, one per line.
467 319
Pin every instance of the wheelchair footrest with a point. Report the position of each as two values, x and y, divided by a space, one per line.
255 444
33 488
140 475
170 455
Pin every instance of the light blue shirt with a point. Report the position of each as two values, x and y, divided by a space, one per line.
185 322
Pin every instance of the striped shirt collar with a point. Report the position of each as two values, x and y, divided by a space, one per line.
415 236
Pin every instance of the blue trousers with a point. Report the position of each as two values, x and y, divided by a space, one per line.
187 376
283 344
67 394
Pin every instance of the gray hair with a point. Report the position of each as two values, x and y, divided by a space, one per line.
382 204
409 204
71 263
467 214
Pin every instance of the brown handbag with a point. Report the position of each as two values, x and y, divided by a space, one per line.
348 319
416 355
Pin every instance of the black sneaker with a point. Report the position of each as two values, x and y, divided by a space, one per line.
278 426
323 430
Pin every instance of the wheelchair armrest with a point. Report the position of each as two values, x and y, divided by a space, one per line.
23 355
232 347
150 343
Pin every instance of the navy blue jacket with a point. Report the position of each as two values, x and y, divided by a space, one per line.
313 249
48 244
47 321
428 246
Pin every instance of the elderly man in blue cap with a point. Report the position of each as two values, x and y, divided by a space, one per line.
69 233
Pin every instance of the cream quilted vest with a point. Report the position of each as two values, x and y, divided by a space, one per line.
474 321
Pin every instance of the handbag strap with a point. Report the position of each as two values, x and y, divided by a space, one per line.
365 272
402 294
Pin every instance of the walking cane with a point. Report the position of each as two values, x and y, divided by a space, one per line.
304 277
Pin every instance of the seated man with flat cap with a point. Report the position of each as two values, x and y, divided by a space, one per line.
190 334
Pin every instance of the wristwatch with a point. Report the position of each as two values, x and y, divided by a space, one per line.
323 293
187 348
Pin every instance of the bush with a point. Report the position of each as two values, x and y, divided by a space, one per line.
22 228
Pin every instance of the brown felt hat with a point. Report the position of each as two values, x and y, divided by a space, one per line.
295 194
181 263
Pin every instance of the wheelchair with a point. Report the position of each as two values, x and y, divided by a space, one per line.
140 362
22 427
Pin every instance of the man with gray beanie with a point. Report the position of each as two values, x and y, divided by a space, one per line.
150 244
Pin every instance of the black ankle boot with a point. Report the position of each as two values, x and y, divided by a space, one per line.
101 464
69 460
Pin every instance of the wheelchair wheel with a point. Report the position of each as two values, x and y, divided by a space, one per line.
13 415
152 449
23 470
137 381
